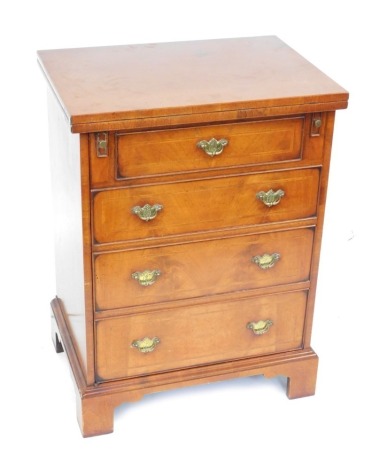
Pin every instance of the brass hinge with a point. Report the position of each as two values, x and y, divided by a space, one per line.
102 144
316 125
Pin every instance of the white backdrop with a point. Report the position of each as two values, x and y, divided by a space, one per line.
245 423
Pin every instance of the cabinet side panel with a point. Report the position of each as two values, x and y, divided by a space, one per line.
69 261
328 137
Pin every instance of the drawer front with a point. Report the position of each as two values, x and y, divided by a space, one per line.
204 205
153 153
148 276
199 335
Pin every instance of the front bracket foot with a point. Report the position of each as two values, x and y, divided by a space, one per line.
302 379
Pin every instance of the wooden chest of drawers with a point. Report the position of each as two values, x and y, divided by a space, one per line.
190 184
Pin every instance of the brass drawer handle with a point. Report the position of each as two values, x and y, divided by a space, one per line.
146 278
271 197
147 212
266 261
260 327
146 344
212 147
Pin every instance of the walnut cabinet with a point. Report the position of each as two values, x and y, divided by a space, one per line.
190 182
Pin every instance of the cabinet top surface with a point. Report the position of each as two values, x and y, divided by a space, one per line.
104 85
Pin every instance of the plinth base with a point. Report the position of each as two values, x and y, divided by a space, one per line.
96 402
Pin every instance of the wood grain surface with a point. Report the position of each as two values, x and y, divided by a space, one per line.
105 84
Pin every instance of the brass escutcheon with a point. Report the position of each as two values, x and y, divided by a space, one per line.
147 212
102 144
147 277
266 261
212 147
146 344
260 327
271 197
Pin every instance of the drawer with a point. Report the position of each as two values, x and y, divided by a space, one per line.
204 205
153 153
148 276
140 344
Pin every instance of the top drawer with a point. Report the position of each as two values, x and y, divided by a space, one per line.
189 150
